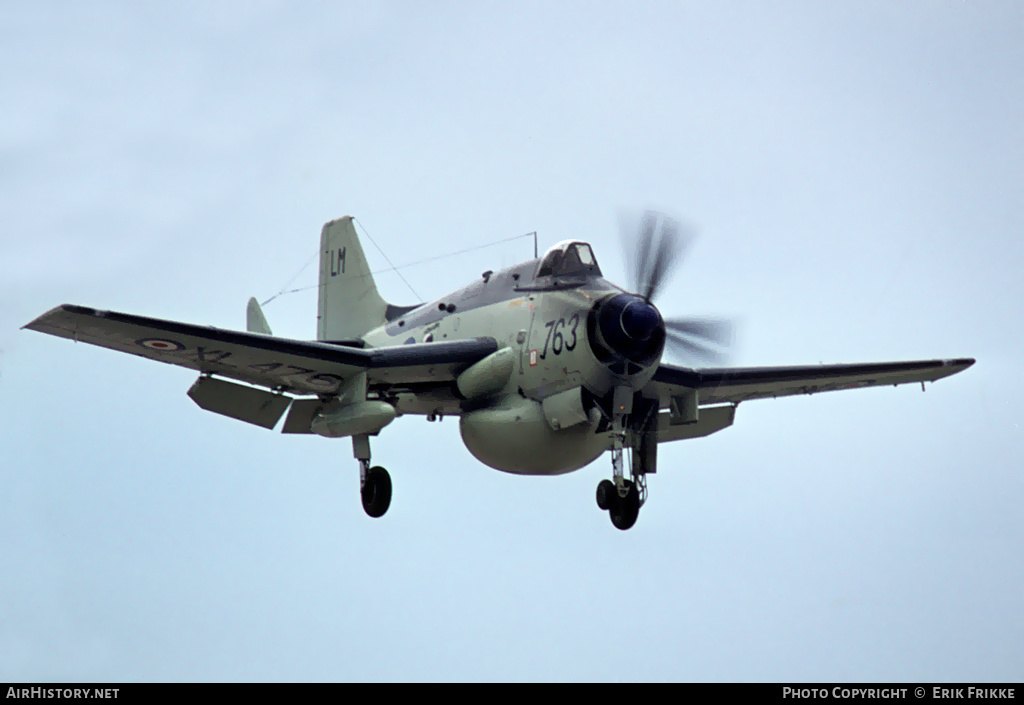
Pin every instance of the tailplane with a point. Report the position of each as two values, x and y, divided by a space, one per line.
255 321
349 304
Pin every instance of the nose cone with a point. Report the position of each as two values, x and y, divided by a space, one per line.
625 328
639 320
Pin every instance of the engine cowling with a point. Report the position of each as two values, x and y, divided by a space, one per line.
626 333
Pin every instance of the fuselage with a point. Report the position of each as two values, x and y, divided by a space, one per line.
548 417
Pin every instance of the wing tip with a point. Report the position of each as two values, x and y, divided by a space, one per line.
952 366
40 322
36 322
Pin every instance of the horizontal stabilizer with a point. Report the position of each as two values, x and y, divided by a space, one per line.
255 321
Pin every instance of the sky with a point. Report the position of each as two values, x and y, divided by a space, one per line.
852 172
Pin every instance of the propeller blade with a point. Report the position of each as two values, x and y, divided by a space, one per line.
659 242
705 338
664 257
642 242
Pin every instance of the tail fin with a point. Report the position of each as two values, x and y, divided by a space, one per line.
255 321
349 302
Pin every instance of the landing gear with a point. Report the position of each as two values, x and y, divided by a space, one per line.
623 510
621 497
376 491
374 483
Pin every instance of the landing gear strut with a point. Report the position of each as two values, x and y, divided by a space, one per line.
623 497
374 482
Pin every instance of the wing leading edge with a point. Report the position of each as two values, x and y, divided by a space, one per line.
738 384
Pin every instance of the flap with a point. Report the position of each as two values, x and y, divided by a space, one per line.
300 418
248 404
711 420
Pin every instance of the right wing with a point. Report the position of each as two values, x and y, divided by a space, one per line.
284 365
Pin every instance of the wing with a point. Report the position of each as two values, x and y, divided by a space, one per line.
281 364
733 385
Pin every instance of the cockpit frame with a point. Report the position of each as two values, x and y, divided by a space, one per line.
568 259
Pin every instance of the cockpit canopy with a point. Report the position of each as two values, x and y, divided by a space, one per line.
569 258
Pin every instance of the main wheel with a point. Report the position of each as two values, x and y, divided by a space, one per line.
625 510
605 490
376 492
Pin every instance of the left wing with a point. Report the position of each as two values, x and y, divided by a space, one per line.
281 364
734 385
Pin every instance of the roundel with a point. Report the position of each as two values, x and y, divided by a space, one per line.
160 344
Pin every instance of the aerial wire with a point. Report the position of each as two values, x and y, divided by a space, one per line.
290 281
284 289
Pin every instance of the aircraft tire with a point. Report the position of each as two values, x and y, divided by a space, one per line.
376 492
625 510
605 490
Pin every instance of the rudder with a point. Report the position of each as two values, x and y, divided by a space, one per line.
349 303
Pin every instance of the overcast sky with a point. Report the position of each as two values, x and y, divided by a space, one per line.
852 169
